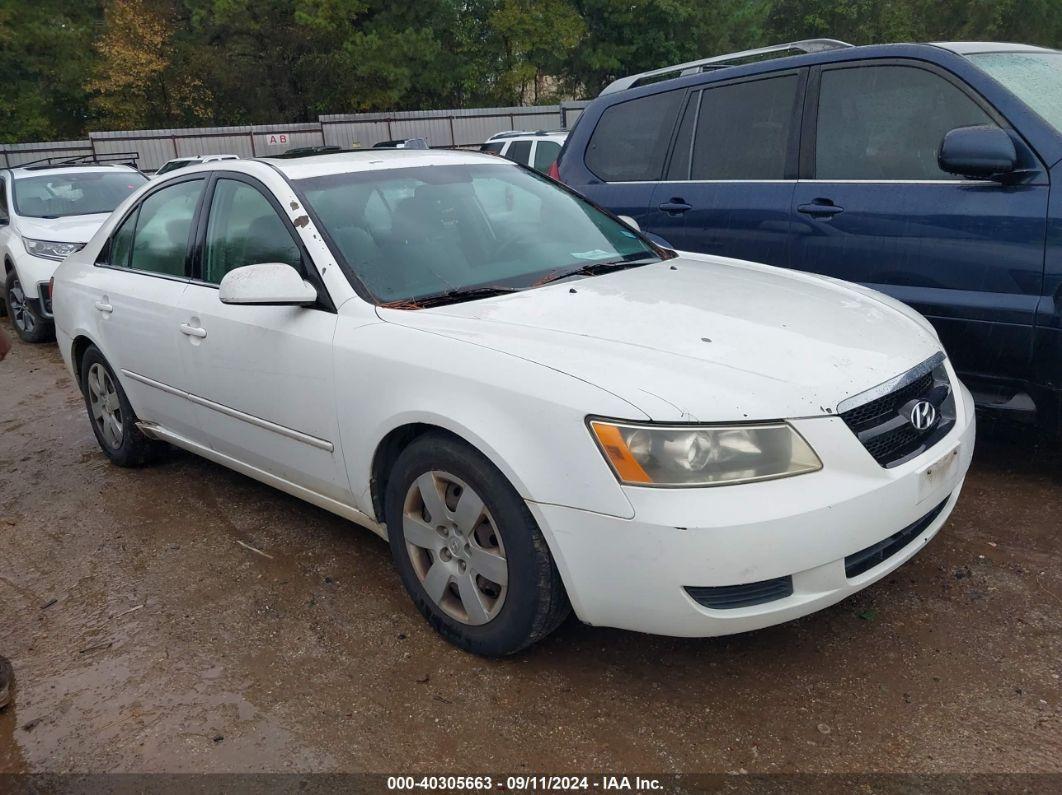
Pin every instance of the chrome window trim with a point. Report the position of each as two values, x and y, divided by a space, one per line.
959 182
893 384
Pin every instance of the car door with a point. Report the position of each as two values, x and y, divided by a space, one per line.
136 288
732 170
262 375
873 206
627 150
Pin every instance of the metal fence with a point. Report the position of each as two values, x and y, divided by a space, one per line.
438 127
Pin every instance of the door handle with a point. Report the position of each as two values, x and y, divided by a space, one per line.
675 207
104 307
193 331
821 208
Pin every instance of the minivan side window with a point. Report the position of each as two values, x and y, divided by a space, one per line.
742 131
630 141
887 123
244 229
163 225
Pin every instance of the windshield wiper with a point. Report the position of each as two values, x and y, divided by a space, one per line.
596 268
457 295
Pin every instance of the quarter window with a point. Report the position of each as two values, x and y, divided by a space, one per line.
630 141
122 242
163 226
244 229
742 131
887 123
545 153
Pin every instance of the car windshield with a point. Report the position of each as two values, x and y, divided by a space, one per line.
1035 77
464 230
84 193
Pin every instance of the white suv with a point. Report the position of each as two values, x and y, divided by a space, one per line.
535 405
46 213
536 149
192 160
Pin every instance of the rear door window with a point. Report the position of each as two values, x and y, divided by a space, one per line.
741 131
164 223
519 152
631 139
887 123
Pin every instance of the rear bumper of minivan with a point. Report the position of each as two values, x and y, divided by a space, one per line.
716 561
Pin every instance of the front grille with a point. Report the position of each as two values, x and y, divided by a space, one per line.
882 426
866 559
728 597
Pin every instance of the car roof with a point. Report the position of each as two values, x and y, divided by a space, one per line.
40 171
976 47
376 160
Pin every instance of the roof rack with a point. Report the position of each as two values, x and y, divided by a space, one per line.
522 133
722 61
61 161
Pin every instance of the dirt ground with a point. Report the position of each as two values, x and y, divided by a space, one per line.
146 638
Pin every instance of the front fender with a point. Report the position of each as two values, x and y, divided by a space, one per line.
529 420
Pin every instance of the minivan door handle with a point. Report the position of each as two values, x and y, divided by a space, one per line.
820 208
676 206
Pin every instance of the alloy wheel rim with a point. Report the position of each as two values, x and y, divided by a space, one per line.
106 408
20 313
455 548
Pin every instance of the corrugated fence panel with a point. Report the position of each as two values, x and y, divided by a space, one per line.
459 127
435 131
17 154
152 151
215 145
477 129
353 134
537 121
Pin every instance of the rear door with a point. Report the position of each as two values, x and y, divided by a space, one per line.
874 207
136 288
262 376
627 151
732 170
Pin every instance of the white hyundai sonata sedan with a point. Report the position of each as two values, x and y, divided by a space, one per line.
539 408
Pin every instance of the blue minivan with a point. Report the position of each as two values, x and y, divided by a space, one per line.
924 171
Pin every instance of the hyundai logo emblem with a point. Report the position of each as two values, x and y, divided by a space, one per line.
921 414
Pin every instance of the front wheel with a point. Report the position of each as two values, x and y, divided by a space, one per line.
468 550
113 420
28 323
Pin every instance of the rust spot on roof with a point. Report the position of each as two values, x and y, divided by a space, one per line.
302 220
294 205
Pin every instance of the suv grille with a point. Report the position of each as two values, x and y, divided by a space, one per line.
727 597
882 423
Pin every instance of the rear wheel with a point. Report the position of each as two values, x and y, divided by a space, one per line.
28 323
468 550
113 420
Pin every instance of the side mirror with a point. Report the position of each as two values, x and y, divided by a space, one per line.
267 283
982 152
630 222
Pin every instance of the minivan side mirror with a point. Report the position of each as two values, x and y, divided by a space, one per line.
982 152
266 283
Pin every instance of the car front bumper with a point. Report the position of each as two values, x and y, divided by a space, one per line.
634 573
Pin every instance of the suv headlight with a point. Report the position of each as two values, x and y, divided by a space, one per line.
702 455
49 249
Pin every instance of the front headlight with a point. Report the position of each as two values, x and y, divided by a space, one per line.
50 249
703 455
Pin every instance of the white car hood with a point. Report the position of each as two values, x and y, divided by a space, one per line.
71 229
699 338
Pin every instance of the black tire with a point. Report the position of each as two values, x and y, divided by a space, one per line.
535 601
132 449
28 324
